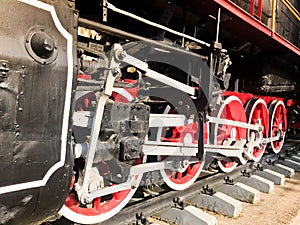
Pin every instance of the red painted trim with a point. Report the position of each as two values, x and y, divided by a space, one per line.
252 3
285 43
259 11
256 23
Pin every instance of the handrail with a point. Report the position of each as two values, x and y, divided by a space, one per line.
259 8
292 9
289 6
125 13
274 3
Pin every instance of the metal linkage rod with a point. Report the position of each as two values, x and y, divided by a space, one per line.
125 13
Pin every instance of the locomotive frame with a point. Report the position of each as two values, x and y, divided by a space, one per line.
106 114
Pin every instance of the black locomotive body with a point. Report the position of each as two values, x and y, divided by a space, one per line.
97 95
38 57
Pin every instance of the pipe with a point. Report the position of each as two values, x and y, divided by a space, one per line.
117 32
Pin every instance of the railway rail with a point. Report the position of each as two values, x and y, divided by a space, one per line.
138 211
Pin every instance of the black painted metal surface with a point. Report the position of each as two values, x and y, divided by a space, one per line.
35 174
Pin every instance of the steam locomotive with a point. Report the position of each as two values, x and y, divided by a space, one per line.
101 97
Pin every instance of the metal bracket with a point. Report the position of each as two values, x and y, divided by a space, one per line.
259 167
229 180
246 173
178 203
270 162
104 10
140 219
208 190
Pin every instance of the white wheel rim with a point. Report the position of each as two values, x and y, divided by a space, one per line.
227 101
257 101
227 169
85 219
277 104
182 186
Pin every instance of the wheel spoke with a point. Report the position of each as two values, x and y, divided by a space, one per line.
179 176
103 207
231 109
256 111
180 180
188 170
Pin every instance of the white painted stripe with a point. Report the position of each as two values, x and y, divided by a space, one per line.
66 113
166 120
